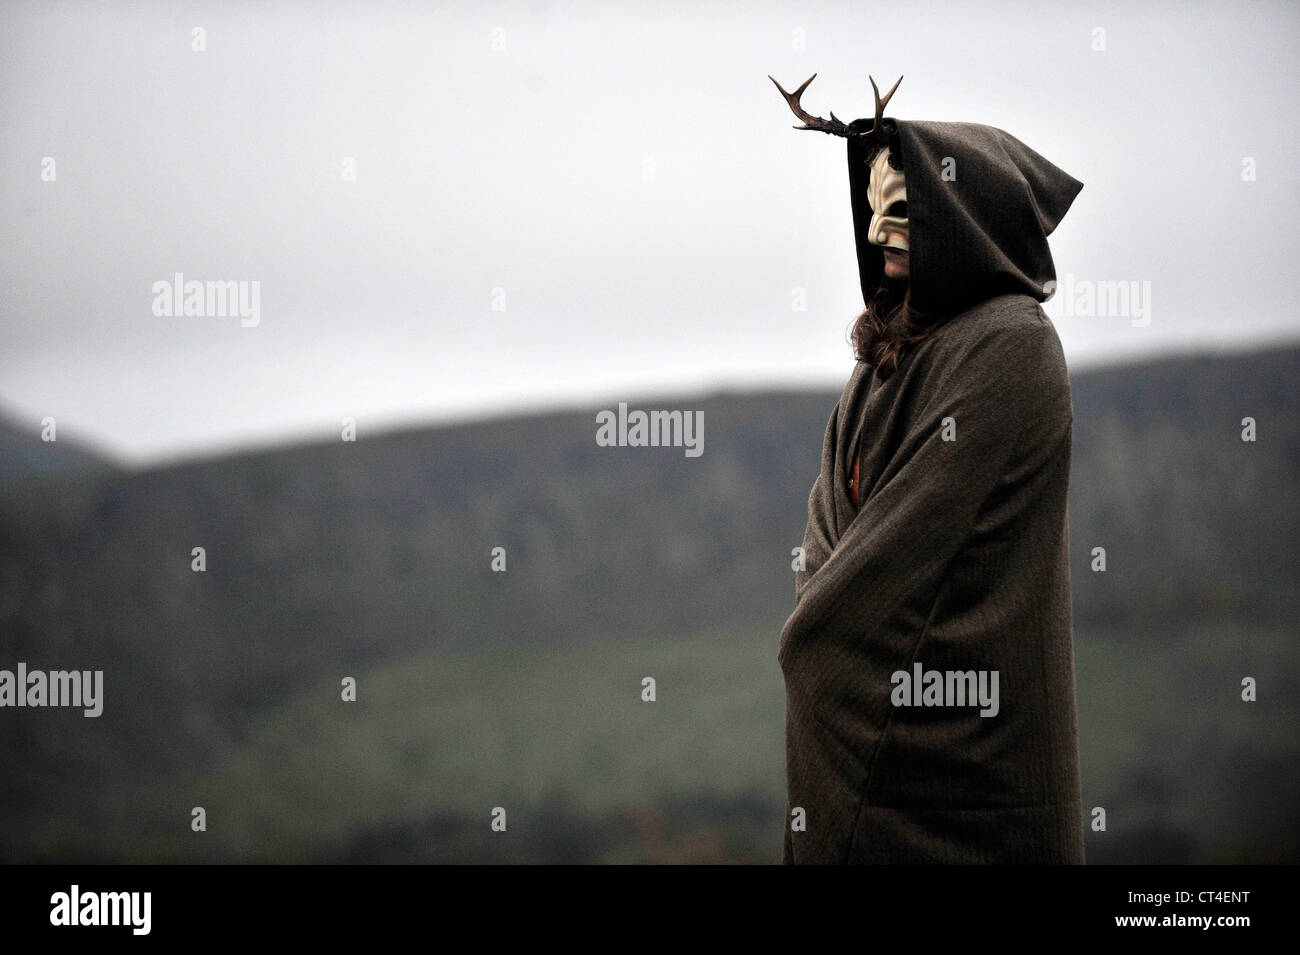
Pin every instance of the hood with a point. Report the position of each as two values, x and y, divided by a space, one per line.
980 232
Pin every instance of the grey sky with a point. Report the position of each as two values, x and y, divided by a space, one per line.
624 172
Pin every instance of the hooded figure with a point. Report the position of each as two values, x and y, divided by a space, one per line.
928 663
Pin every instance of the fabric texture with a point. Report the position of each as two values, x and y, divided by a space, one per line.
957 558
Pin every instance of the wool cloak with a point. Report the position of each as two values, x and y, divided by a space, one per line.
957 558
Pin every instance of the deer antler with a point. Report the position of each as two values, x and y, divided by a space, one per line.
877 127
833 126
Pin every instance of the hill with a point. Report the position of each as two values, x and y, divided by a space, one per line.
25 457
522 689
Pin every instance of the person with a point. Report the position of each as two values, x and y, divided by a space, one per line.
928 661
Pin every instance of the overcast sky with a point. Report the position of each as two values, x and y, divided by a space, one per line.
622 177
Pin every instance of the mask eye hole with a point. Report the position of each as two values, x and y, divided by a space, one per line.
898 210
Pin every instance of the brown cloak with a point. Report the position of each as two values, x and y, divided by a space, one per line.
957 558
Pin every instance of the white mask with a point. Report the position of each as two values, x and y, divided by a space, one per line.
884 190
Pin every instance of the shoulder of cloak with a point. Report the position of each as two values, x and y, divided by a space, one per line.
1008 330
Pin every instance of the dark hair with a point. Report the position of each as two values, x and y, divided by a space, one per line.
889 327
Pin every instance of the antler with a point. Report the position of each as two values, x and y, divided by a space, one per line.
833 126
877 126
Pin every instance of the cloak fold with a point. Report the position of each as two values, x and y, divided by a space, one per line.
957 558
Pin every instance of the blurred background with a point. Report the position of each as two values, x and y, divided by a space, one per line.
474 226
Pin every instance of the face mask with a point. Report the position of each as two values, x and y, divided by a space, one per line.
888 199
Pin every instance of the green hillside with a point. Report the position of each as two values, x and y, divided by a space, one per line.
523 689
